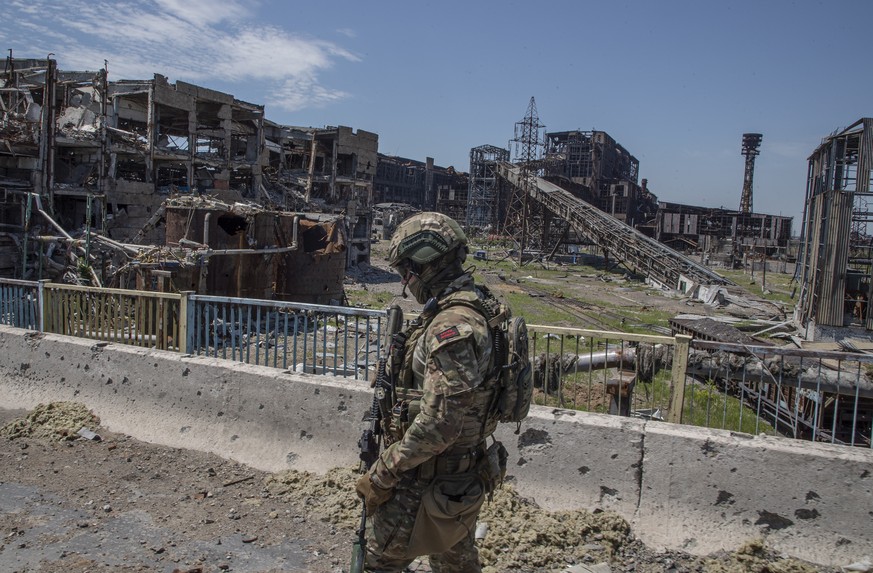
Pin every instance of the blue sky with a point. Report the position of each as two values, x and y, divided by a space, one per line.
677 83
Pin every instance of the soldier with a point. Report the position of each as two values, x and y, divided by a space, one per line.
425 491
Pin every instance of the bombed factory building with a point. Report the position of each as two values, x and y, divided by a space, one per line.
100 176
93 170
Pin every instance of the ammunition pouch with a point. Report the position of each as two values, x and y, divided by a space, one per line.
492 466
453 462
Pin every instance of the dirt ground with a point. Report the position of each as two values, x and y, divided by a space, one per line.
111 503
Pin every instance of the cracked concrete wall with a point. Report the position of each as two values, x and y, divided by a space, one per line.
684 488
706 488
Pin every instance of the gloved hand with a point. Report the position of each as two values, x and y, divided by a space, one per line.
373 495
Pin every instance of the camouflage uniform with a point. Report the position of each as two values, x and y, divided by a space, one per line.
444 414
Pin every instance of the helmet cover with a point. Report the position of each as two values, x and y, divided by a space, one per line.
425 237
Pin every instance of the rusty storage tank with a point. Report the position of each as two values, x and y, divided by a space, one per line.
251 252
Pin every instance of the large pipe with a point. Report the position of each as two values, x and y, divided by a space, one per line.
207 252
55 224
204 270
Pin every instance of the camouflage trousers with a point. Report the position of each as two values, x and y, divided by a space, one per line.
390 529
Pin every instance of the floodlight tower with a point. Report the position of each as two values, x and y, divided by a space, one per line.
751 149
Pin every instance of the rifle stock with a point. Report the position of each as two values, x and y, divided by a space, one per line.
370 442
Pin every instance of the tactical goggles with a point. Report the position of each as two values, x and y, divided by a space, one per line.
406 269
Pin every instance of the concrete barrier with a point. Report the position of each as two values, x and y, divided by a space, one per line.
681 487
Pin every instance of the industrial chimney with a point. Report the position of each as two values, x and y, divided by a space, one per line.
751 149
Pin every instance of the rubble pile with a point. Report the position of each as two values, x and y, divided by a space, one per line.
57 421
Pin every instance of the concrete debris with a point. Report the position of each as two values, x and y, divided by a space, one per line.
863 566
596 568
89 435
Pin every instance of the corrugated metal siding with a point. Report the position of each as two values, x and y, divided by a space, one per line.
865 157
836 251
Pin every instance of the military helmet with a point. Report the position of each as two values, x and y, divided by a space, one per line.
425 237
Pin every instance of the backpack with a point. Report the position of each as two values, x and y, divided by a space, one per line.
512 366
515 374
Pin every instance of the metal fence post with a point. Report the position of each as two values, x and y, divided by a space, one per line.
186 321
677 381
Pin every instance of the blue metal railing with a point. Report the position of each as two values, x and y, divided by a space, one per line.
20 304
312 338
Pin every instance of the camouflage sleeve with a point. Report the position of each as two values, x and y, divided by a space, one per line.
452 371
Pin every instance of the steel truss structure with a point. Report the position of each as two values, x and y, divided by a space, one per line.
484 205
636 251
523 221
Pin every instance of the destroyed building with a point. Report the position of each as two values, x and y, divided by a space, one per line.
835 268
594 167
717 230
246 251
81 153
601 170
421 184
330 170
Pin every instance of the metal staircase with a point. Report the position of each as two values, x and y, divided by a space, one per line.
636 251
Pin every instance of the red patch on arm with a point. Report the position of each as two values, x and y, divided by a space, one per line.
448 333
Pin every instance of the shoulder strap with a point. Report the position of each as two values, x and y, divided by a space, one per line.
470 299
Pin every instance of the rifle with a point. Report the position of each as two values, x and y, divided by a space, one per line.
380 410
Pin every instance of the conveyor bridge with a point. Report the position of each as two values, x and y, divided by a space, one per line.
636 251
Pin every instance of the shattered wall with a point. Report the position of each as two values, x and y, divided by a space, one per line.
244 251
330 170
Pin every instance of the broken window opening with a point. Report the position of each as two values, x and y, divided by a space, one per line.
345 166
172 177
239 148
319 164
295 157
241 181
12 211
232 224
206 146
171 140
315 238
71 213
130 170
76 168
177 142
133 126
204 178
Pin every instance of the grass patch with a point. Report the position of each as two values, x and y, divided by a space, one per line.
705 404
537 311
708 406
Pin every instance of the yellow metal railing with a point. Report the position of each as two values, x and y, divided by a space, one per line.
137 318
596 370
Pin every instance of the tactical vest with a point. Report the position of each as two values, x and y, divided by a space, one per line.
481 419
